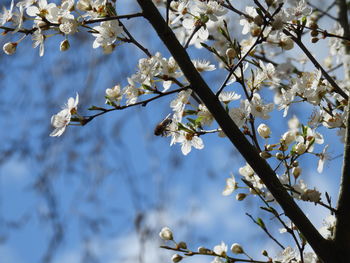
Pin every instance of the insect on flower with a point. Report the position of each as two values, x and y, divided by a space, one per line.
162 128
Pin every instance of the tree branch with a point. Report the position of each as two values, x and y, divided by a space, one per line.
342 230
250 154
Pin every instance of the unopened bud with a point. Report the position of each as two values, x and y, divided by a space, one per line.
286 43
240 196
182 245
264 131
237 249
278 23
296 172
255 31
313 26
314 39
10 48
289 137
174 5
269 147
176 258
166 234
204 250
295 164
231 53
265 155
64 46
314 33
258 20
300 148
264 253
84 5
279 156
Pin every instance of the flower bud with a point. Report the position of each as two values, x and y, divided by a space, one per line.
277 24
300 148
255 31
10 48
64 46
270 147
314 33
176 258
231 53
296 172
264 253
313 26
204 250
279 156
166 234
265 155
258 20
182 245
295 164
84 5
314 39
240 196
237 249
286 43
288 137
264 131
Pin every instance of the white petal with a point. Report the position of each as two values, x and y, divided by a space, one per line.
203 33
185 147
197 143
32 11
58 132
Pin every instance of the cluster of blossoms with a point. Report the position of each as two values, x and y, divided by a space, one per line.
66 19
297 141
268 29
220 251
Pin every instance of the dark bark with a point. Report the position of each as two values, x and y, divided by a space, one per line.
342 230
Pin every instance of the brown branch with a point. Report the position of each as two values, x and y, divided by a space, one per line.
342 230
111 18
212 253
250 154
86 119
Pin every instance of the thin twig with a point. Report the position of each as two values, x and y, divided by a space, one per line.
87 119
266 231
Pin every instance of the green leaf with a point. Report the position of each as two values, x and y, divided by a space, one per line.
260 222
146 87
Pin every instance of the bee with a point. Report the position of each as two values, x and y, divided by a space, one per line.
162 128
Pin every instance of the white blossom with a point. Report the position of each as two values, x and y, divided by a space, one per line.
62 119
107 33
220 249
231 185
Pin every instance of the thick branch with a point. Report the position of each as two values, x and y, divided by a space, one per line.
342 232
249 152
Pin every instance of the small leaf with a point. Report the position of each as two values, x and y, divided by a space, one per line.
260 222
